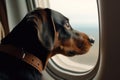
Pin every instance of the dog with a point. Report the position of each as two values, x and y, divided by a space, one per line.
41 34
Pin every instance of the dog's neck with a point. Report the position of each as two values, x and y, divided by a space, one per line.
42 54
21 39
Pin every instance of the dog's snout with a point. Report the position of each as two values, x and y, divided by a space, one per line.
91 40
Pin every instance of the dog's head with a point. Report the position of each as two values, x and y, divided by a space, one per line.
56 34
69 42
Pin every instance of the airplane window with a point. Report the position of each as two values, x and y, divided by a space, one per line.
83 16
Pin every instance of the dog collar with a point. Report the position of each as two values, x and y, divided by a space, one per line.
26 57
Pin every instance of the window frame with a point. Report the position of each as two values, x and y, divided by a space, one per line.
53 69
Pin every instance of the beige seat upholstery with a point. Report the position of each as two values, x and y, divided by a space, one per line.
2 33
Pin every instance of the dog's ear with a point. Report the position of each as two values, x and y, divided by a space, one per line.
45 27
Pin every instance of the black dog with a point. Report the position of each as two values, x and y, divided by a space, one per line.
42 34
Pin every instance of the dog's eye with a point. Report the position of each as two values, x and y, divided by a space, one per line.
67 25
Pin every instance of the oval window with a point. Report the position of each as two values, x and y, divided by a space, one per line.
83 16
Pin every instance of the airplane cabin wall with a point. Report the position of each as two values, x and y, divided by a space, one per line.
109 16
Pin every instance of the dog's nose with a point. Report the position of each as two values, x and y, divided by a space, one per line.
91 40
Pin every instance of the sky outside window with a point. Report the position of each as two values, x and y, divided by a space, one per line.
83 16
79 12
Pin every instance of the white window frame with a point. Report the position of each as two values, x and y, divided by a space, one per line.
53 69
